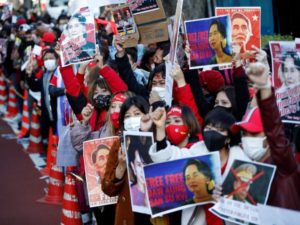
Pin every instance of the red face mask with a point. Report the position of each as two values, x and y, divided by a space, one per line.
176 133
115 119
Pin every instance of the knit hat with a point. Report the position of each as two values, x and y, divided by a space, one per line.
211 80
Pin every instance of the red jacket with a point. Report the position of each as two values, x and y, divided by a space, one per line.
285 189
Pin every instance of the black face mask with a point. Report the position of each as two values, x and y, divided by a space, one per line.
102 101
213 140
225 108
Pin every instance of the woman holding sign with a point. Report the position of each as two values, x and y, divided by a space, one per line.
217 41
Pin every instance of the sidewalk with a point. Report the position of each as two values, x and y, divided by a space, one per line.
21 186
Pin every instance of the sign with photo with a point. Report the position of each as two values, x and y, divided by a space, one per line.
137 146
95 155
78 40
182 183
245 25
247 183
209 40
286 79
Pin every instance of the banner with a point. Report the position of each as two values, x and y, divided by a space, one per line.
182 183
95 155
137 146
245 25
286 79
209 41
78 40
247 183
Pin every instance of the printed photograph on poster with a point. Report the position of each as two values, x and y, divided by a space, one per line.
248 182
137 146
95 155
209 40
78 40
142 6
182 183
6 9
245 26
124 21
286 79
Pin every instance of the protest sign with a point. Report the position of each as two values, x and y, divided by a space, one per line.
286 79
78 40
270 215
137 146
245 25
153 32
126 25
95 155
182 183
247 183
209 41
6 10
236 212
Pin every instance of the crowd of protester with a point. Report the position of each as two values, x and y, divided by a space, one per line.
124 89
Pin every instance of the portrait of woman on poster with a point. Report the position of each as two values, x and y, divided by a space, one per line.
218 43
138 157
199 180
289 71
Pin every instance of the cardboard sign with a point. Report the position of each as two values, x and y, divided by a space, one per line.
286 79
209 41
95 155
78 41
152 33
126 25
182 183
245 25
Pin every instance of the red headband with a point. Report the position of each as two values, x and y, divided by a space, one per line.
175 111
119 98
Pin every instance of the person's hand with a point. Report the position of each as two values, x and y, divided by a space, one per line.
236 53
57 47
261 56
187 50
83 67
87 112
146 121
99 60
177 75
118 43
159 117
121 168
217 192
154 97
258 73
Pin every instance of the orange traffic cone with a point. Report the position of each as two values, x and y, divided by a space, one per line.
25 117
51 153
35 138
70 209
12 108
55 187
3 94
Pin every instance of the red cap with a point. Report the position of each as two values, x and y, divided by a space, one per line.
48 37
212 80
119 98
21 21
251 122
175 111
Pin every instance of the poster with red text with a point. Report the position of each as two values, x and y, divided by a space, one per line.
78 40
95 155
286 79
182 183
245 25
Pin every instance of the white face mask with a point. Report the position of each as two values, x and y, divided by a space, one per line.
160 91
50 64
132 123
253 147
